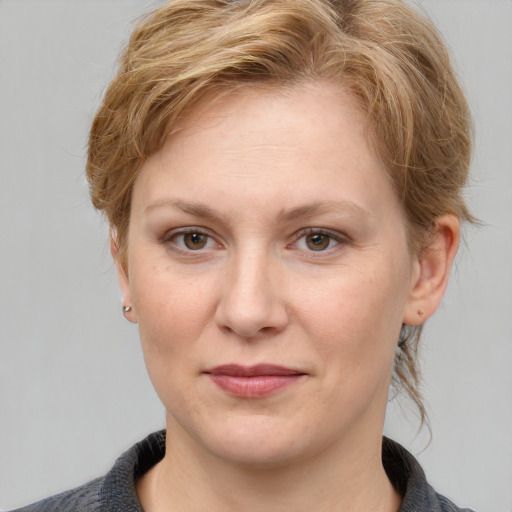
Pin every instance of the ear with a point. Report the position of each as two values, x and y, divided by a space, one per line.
124 282
433 267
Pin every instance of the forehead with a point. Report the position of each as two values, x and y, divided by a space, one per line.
303 143
313 104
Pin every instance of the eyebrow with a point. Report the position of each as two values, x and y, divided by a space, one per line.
318 208
307 210
197 209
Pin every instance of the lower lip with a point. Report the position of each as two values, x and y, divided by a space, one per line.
257 386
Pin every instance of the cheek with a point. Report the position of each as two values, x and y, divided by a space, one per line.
172 310
172 316
356 320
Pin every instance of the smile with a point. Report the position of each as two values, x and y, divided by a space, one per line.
253 381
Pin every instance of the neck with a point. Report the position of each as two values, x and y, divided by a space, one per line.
339 479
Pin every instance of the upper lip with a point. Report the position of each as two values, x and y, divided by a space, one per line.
236 370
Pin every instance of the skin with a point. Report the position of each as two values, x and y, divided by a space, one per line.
259 177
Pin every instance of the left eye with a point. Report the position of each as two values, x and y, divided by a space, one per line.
192 240
317 241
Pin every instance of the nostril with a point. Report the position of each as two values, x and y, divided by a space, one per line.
251 304
248 332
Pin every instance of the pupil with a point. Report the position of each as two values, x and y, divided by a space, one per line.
317 242
195 240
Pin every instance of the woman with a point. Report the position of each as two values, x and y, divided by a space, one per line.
283 182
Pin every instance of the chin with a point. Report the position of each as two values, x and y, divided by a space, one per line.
260 455
259 442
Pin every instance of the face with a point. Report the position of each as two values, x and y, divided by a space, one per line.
269 273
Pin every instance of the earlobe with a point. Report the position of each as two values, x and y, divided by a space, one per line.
433 270
124 282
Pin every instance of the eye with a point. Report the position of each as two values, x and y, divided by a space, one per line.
318 240
191 240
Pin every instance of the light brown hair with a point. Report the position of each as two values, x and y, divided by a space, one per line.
390 57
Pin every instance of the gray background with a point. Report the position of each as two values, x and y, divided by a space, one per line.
73 388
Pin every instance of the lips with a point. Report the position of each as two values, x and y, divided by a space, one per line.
253 381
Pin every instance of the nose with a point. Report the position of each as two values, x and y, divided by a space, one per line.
252 301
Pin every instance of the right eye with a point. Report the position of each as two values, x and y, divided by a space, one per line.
191 240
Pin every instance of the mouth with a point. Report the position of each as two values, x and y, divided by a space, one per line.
253 381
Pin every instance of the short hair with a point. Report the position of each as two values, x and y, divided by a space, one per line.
390 57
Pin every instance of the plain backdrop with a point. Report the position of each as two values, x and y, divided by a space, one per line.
73 388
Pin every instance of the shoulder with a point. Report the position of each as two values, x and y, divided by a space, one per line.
447 506
82 499
409 479
114 492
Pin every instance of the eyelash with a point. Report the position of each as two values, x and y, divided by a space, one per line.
170 237
333 236
337 238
